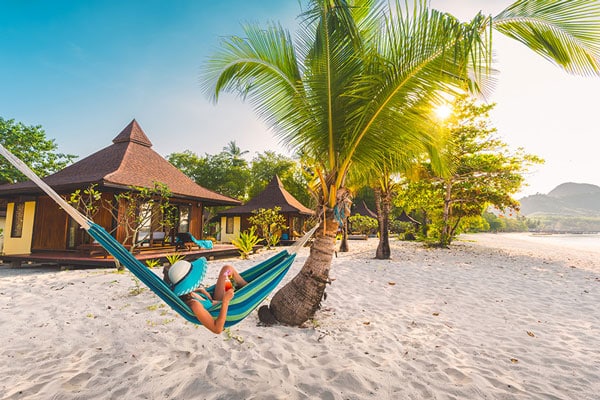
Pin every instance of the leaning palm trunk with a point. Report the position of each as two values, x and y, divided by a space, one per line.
300 298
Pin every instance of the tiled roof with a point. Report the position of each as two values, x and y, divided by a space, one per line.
129 161
274 195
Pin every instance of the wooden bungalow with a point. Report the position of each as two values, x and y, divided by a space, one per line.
3 204
34 222
235 220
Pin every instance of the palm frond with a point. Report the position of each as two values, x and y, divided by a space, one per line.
418 57
261 68
567 33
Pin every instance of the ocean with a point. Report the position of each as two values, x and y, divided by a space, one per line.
584 242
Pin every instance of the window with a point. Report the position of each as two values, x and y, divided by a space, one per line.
145 222
72 230
184 219
17 221
229 227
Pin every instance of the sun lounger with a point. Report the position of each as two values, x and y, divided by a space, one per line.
183 239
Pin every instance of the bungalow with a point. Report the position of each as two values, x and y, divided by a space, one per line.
2 222
235 220
34 223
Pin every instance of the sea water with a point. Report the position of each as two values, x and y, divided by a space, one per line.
583 242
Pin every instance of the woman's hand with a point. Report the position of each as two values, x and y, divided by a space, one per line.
228 295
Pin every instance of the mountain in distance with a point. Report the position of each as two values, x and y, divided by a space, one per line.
568 208
567 199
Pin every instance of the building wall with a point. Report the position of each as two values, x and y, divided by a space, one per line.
2 226
20 245
196 220
50 229
227 237
295 227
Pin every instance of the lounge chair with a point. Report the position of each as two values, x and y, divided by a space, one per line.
184 238
158 237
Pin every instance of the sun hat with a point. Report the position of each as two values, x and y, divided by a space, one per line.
186 276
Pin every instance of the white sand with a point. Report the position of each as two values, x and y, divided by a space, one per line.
494 317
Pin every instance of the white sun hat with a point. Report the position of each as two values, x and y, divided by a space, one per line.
186 276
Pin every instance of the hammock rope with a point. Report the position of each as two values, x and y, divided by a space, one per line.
262 278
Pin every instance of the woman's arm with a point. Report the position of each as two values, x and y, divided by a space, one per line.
213 325
204 292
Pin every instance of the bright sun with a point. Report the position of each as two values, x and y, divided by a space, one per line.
443 111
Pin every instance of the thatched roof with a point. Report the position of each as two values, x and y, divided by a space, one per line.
274 195
129 161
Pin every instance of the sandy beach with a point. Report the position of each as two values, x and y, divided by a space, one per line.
493 317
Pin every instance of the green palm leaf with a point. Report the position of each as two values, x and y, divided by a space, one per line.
566 33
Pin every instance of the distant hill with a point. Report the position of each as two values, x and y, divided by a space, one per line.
567 199
570 207
570 189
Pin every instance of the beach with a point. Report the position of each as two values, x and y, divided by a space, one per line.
505 316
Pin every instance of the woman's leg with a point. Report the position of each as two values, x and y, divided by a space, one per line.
237 278
226 271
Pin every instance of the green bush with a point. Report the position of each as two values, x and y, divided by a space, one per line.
173 258
152 263
246 241
270 223
362 224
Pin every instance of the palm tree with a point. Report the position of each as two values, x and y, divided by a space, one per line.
234 151
361 79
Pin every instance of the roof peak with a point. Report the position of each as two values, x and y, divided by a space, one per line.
275 181
133 133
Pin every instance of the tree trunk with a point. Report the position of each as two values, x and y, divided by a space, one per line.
445 231
382 204
344 243
300 298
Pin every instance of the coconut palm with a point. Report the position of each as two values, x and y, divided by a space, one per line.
234 151
361 79
383 178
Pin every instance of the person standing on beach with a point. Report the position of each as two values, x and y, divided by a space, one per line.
185 279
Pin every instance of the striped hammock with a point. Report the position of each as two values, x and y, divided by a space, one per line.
262 278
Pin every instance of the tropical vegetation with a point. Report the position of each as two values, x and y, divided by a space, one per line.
362 77
269 223
235 177
483 173
139 205
246 241
29 143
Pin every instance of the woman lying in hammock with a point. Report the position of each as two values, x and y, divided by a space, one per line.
185 280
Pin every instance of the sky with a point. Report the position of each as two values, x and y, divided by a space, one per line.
84 69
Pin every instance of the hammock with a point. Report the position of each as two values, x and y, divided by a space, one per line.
262 278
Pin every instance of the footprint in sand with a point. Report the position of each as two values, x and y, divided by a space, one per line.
78 380
457 377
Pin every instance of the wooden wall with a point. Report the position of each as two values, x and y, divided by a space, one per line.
50 226
196 220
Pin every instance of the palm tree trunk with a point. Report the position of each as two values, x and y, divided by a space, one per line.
344 243
445 231
382 204
300 298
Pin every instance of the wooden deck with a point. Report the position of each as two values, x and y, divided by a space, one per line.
79 259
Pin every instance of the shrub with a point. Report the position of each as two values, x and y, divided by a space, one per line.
152 263
363 224
173 258
269 223
246 241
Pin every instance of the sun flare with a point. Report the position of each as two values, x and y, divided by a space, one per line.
443 111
